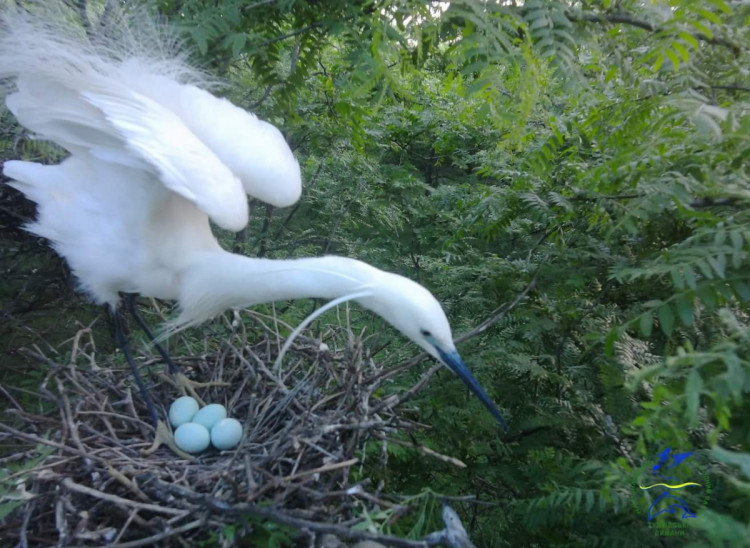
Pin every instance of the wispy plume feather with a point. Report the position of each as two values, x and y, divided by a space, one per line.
49 37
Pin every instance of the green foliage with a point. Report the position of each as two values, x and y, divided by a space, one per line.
261 533
13 493
601 149
598 148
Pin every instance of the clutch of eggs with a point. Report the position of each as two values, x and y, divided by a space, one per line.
197 428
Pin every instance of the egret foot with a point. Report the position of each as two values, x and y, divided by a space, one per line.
164 437
188 387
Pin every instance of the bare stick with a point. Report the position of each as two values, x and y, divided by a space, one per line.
149 541
425 450
326 468
70 484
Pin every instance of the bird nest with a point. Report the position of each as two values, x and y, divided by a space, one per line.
77 474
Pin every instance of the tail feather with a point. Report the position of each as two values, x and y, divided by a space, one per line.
29 178
39 184
87 212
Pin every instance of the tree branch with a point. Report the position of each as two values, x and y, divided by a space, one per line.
630 20
151 483
264 231
731 87
499 312
296 207
266 95
254 5
287 35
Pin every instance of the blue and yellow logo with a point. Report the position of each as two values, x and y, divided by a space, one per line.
668 491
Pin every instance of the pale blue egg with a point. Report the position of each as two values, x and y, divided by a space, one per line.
210 415
192 437
182 410
226 433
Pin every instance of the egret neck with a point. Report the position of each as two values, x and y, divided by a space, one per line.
217 280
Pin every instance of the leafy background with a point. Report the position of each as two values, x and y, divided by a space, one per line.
599 148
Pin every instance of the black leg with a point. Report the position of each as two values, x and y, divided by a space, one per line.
122 340
176 377
133 309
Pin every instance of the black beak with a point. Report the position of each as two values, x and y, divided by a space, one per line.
457 365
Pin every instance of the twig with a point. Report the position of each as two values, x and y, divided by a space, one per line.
631 20
322 469
296 207
500 312
258 4
731 87
152 540
70 484
282 517
287 35
394 401
423 449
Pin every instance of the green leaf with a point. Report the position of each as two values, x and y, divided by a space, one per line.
689 277
693 388
719 265
666 319
612 338
7 507
685 309
646 324
658 63
677 280
673 58
705 269
741 289
732 457
689 38
722 6
708 295
538 19
701 28
710 16
681 51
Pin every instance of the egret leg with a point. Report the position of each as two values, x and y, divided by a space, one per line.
122 341
133 309
176 377
163 435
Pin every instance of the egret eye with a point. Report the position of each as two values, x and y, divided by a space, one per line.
425 333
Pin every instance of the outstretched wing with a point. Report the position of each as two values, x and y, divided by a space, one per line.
128 97
124 127
184 164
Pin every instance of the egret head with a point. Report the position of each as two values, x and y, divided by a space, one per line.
414 311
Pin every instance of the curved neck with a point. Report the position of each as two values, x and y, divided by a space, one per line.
220 280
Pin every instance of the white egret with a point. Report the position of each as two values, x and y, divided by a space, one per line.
153 157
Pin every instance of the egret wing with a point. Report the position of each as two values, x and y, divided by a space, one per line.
182 161
254 150
57 112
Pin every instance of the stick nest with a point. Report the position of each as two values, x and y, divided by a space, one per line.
77 474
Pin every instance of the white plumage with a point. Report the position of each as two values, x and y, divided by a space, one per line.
153 157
